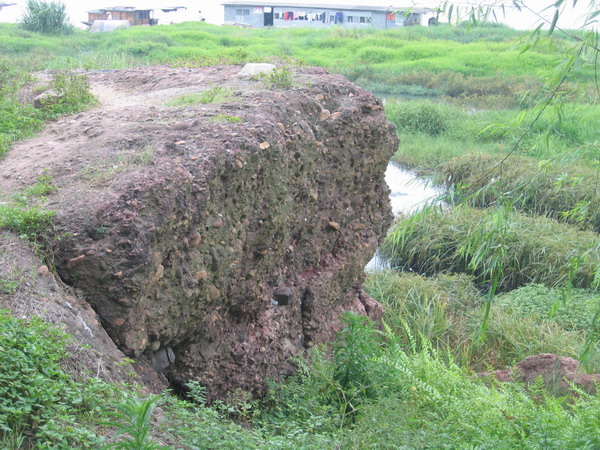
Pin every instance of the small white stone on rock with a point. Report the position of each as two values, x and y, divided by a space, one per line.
251 69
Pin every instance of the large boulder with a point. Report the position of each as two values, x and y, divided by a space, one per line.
217 240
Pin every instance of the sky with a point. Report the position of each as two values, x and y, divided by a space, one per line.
213 10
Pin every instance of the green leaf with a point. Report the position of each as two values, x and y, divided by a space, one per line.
553 24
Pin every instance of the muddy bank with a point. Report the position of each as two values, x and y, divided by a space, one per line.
216 240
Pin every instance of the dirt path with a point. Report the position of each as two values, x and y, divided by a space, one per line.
81 143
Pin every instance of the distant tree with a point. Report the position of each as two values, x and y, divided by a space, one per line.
46 17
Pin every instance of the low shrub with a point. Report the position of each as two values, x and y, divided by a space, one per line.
557 191
72 90
278 78
431 118
497 246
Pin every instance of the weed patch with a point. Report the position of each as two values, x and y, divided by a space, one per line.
278 78
216 94
25 221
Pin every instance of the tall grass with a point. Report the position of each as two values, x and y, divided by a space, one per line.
563 192
46 17
497 246
446 311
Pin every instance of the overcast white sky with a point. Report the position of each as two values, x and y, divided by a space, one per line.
213 11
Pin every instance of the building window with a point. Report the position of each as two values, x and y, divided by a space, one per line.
139 15
350 19
242 12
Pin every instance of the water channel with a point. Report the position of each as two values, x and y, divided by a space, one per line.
408 194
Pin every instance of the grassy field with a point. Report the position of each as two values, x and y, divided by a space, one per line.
461 100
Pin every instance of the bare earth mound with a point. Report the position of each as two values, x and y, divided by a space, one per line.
216 240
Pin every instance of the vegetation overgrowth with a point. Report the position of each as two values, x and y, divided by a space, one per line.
445 310
376 389
451 90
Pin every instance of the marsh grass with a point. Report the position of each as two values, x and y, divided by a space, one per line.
495 245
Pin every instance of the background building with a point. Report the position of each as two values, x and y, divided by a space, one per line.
287 14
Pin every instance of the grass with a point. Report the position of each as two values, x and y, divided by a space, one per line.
25 221
497 245
216 94
127 160
446 311
19 120
434 133
421 399
376 390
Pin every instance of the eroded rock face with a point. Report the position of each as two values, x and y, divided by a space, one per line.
242 238
31 290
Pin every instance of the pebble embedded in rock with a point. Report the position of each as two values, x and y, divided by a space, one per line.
74 261
44 271
212 293
334 225
160 360
201 275
325 114
195 241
